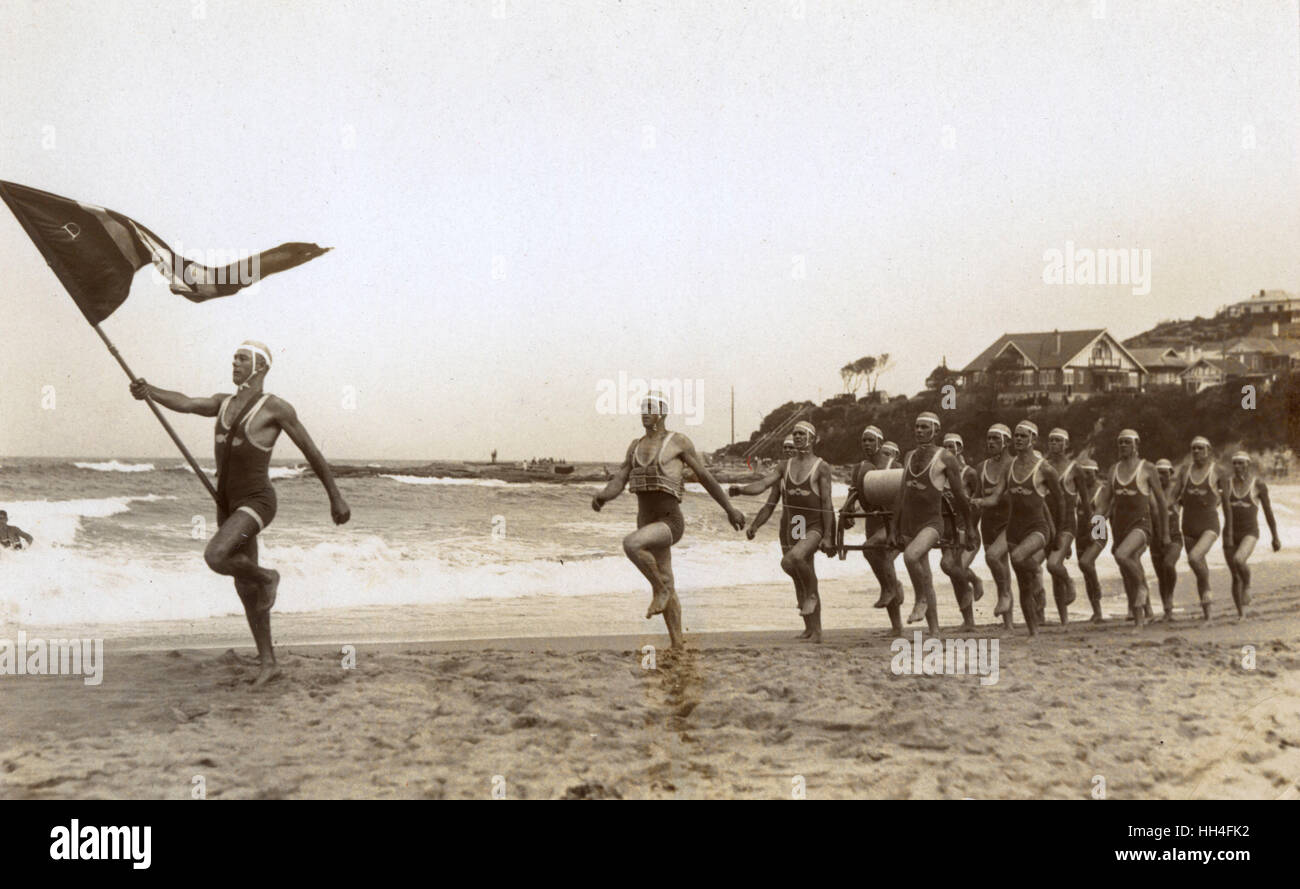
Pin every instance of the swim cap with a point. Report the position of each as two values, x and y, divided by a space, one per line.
1128 433
1087 463
789 442
873 432
1201 440
953 437
1000 429
1029 426
929 417
1058 432
1162 463
1242 456
654 403
804 426
890 446
255 348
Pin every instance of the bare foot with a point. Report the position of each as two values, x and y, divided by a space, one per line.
978 585
966 627
886 599
658 603
266 674
1097 618
1004 604
805 634
1169 617
918 611
816 637
266 599
809 605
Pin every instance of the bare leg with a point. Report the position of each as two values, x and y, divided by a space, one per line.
232 551
798 563
950 562
799 593
916 557
1241 570
1062 585
673 610
1128 555
995 556
1026 561
1196 552
1169 581
1088 568
641 547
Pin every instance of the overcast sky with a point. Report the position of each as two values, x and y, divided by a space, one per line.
526 199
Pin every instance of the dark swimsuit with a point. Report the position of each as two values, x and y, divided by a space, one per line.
800 499
243 481
1028 506
1130 509
1200 505
993 521
922 498
1245 511
658 495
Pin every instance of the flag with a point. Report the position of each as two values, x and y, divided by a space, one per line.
96 252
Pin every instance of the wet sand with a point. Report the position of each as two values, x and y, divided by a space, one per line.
1170 713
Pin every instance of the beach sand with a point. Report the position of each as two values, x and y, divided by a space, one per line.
1170 713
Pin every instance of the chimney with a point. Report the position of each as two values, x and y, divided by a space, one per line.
1276 330
1058 341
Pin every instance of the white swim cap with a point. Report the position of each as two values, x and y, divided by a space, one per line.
254 348
1000 429
654 403
953 437
1201 440
1029 426
1241 456
1162 463
805 426
1128 433
1060 433
928 417
873 432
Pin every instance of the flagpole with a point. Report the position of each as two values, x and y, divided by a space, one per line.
112 349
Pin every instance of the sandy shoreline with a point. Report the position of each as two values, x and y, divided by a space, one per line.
1170 713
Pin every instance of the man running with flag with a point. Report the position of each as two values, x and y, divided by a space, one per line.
248 424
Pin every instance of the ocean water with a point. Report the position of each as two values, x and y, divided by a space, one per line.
120 542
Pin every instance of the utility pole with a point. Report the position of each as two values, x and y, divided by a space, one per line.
733 415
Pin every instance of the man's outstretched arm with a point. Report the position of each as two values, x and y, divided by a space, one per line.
182 404
287 417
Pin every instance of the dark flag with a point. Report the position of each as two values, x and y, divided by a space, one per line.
96 252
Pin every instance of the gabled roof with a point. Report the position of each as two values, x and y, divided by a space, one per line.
1159 356
1252 344
1039 348
1230 367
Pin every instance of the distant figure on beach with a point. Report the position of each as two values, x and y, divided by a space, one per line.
11 536
494 456
993 522
878 553
928 471
806 516
652 469
246 500
1247 493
